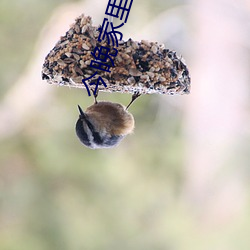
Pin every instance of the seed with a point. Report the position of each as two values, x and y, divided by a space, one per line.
61 62
154 49
77 29
77 57
68 54
64 43
152 69
131 80
84 28
78 70
125 56
145 42
118 58
77 79
69 60
134 72
144 78
150 74
135 45
85 46
77 51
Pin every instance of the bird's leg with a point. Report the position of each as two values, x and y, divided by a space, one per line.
95 95
134 97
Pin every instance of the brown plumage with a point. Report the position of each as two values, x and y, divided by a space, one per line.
112 118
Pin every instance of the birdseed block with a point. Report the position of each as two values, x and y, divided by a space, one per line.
144 67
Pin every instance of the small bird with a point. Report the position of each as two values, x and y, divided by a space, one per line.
104 124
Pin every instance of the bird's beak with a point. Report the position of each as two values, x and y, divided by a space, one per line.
82 115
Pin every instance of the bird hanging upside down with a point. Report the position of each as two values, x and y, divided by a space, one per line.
104 124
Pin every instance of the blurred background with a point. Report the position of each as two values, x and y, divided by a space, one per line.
180 182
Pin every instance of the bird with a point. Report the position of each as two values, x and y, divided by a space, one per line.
104 124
